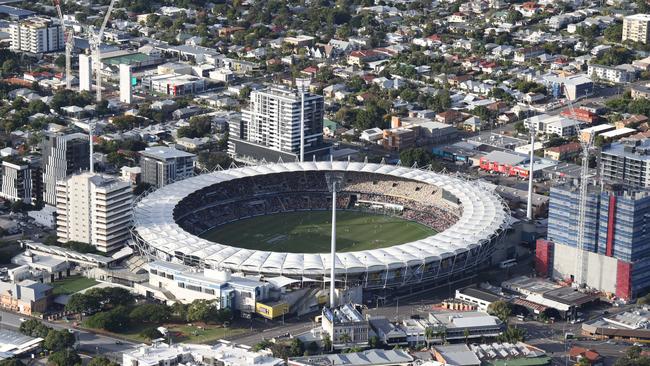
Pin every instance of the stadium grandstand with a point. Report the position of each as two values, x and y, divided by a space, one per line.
467 217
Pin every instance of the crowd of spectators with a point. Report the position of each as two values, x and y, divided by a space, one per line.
301 191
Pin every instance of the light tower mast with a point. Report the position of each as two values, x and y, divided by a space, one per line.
334 184
302 84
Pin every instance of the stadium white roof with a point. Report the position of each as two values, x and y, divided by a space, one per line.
483 216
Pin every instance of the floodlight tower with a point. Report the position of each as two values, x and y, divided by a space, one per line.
302 84
529 208
334 184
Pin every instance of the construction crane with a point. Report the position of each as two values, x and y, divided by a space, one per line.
95 40
69 43
580 276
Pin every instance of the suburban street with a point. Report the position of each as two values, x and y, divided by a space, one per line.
90 343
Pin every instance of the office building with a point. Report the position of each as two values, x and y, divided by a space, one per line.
95 209
36 35
346 326
617 246
627 162
270 126
20 182
223 353
174 84
85 72
25 297
614 74
185 284
635 28
125 84
372 357
163 165
62 155
470 325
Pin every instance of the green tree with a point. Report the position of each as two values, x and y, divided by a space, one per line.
211 160
151 313
500 309
34 328
101 361
415 155
9 67
64 358
11 362
345 338
614 33
58 340
82 303
512 335
60 61
374 342
151 333
297 348
327 343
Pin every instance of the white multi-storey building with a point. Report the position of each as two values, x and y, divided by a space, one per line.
125 83
270 126
613 74
17 182
172 282
635 28
36 35
95 209
163 165
62 155
222 353
85 72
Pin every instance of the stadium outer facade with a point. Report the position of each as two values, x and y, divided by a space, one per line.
451 254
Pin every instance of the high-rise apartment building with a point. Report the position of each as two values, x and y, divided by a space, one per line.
94 209
36 35
85 72
62 155
163 165
635 28
617 242
270 127
20 182
627 162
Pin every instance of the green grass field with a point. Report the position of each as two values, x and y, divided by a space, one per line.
72 284
309 232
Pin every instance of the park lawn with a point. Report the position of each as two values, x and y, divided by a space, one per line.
310 232
209 334
131 334
72 284
188 334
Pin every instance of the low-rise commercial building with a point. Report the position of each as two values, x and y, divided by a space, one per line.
25 297
373 357
223 353
14 344
473 295
345 326
176 282
174 84
466 325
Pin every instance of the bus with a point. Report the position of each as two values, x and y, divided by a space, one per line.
508 263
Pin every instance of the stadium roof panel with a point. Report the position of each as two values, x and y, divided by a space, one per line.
484 215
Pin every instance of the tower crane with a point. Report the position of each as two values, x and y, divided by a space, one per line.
69 43
95 40
581 260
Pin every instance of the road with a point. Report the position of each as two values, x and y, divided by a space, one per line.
89 343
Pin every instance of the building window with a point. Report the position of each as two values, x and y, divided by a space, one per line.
209 291
181 284
153 271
